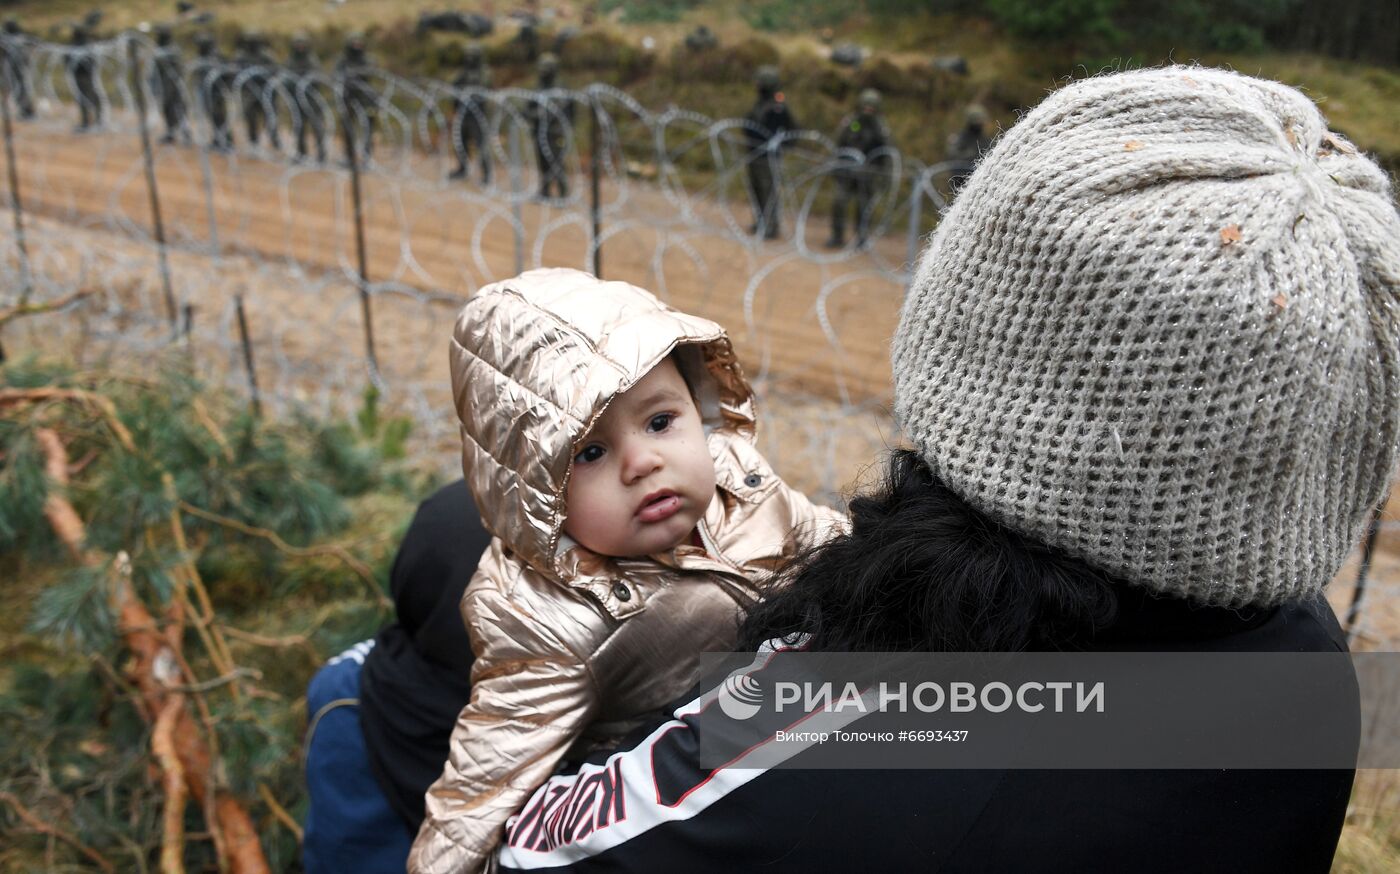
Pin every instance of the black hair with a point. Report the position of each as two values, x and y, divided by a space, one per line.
921 570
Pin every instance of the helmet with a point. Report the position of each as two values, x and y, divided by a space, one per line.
472 56
300 40
204 41
548 63
163 34
767 78
254 39
355 42
11 26
869 100
976 115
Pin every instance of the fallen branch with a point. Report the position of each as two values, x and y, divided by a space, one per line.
340 552
34 309
32 820
156 666
63 519
108 410
172 841
280 812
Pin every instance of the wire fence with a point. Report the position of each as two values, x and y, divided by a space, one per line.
309 234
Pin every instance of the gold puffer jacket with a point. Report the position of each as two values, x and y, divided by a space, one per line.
575 649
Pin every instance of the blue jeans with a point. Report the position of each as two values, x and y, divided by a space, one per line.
350 826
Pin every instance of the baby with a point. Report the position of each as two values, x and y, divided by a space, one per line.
608 440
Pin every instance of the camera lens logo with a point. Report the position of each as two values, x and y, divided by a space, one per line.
740 696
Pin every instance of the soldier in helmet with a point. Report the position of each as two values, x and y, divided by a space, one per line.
767 121
255 69
167 83
211 81
968 144
550 113
862 164
469 113
14 54
82 68
360 103
309 115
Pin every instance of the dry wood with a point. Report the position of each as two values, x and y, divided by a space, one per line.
340 552
172 842
157 666
31 819
108 411
9 314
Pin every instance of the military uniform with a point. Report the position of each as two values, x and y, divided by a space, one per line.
968 144
549 113
14 54
860 169
255 68
469 121
167 80
82 67
212 80
309 116
768 118
360 103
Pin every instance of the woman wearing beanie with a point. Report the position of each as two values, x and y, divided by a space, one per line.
1150 371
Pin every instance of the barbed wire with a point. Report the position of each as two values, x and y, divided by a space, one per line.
259 197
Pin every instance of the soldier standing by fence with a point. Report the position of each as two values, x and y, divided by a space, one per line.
212 81
767 121
361 104
550 112
255 66
860 169
82 68
469 115
968 144
167 83
308 114
14 52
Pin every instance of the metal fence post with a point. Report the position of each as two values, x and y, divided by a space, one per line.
1368 547
352 153
247 344
26 287
515 183
171 309
595 171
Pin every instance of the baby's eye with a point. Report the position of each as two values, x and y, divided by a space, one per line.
661 422
589 454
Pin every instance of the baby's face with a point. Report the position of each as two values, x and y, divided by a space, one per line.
643 476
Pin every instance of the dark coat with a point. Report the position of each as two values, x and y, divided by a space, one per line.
418 676
959 822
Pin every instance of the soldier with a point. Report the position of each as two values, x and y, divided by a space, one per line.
469 113
211 80
861 167
968 144
768 119
14 53
361 104
309 115
167 78
82 67
551 110
255 69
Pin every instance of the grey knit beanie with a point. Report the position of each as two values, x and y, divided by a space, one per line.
1158 330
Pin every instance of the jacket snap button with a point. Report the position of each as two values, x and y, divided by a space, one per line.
621 592
753 480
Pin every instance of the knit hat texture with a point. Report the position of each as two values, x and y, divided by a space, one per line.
1158 330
